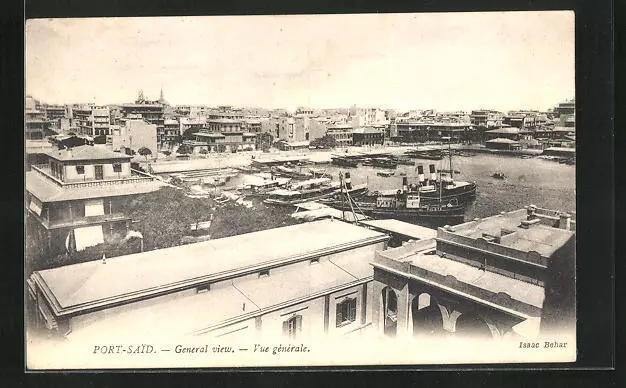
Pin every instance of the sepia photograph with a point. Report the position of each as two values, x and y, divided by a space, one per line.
300 190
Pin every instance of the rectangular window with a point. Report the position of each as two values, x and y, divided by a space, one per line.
94 207
117 167
292 326
346 312
80 170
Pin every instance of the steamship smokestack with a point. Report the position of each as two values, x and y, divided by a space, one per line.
420 173
433 174
405 184
348 181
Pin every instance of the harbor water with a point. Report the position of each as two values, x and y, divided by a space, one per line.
536 181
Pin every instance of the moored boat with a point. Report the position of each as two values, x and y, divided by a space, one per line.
344 162
309 190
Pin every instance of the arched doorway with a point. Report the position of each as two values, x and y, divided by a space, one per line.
390 312
427 316
471 325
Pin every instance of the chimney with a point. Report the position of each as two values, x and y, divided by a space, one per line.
405 184
348 181
433 173
565 221
420 174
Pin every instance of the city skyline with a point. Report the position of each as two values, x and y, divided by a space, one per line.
510 60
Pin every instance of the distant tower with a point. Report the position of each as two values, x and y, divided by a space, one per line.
162 97
140 97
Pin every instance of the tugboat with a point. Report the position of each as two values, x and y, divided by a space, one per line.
404 204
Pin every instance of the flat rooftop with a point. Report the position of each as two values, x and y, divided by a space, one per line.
87 152
403 228
47 191
539 237
79 286
185 314
470 275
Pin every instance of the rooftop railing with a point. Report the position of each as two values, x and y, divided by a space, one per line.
136 177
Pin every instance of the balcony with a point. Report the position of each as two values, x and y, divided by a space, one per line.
83 221
43 171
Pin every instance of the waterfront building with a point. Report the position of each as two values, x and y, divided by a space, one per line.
487 119
77 192
503 144
295 129
290 146
92 120
222 142
410 131
131 135
488 278
511 133
305 288
225 125
342 133
368 136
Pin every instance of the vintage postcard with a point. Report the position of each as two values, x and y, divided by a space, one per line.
300 190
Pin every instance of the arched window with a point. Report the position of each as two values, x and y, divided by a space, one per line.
427 316
390 311
473 326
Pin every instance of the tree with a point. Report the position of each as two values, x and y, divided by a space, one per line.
264 141
204 151
144 151
325 141
188 134
184 149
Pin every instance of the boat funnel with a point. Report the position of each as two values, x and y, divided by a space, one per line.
405 184
420 173
433 173
348 181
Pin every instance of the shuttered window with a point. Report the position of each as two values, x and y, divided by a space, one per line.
292 326
346 312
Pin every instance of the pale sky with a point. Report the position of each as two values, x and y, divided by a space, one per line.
453 61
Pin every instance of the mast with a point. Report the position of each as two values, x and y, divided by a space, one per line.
450 158
343 202
440 181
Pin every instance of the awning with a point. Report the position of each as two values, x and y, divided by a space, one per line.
88 237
